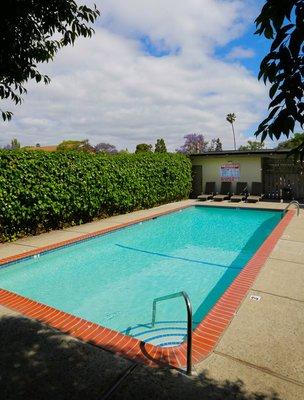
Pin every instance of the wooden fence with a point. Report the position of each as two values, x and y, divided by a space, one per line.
282 178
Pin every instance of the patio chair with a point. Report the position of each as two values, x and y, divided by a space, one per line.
224 192
241 189
256 192
209 192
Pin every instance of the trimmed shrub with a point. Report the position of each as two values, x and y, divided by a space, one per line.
41 191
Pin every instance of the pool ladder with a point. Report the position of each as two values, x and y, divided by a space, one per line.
189 322
296 203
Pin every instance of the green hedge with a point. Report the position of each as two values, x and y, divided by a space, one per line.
40 191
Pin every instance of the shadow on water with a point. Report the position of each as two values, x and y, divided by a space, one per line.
39 363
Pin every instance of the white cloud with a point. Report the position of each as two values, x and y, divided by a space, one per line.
239 52
192 23
107 89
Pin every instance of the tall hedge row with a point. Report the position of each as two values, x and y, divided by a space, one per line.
40 191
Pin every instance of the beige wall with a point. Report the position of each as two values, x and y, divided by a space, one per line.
250 168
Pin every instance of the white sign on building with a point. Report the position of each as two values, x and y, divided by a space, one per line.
230 172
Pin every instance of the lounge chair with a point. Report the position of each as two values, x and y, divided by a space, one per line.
256 192
224 192
241 188
209 191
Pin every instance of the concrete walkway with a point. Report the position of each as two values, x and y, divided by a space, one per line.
261 353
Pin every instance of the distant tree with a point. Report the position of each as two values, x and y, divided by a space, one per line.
15 144
292 143
105 148
231 119
32 32
38 145
76 145
282 22
143 148
160 146
252 145
194 143
125 151
216 145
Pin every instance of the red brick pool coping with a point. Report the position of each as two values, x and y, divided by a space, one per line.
205 336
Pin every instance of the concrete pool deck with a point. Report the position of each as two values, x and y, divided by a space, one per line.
262 346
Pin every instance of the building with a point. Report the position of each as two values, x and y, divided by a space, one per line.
281 177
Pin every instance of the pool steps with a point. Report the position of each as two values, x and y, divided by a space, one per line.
164 333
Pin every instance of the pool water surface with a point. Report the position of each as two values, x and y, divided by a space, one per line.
112 279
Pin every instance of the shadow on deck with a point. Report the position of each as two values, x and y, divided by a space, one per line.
38 362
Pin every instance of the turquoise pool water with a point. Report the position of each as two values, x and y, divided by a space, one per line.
112 279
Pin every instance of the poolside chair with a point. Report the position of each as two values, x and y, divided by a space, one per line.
256 192
224 192
241 189
209 191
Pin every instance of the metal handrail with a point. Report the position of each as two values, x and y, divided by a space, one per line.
189 323
296 203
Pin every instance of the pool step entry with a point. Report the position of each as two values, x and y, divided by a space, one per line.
163 333
168 333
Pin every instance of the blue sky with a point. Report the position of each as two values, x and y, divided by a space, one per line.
153 69
255 47
157 49
257 44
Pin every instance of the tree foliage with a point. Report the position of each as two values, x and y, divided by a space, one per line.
231 118
105 148
160 146
76 145
143 148
41 191
252 145
292 143
216 145
282 22
32 32
15 144
195 143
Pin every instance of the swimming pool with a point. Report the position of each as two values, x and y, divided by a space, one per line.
113 279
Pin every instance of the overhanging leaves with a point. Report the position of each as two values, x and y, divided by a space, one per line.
32 32
283 68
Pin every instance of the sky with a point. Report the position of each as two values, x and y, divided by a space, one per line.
153 69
